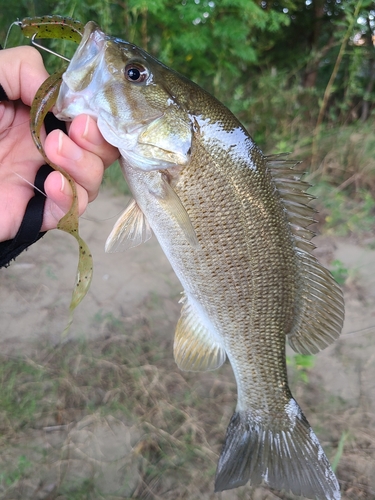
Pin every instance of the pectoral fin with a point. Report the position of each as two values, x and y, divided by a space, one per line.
195 348
130 230
173 205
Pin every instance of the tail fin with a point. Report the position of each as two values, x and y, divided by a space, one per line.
285 457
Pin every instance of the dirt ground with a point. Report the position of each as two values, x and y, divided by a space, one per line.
35 293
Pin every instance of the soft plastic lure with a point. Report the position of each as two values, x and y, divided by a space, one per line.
59 27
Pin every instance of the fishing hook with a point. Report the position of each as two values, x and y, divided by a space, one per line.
47 49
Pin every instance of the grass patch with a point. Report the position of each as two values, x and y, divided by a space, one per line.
115 418
344 213
113 177
126 380
24 395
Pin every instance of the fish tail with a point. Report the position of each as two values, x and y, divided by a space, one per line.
283 454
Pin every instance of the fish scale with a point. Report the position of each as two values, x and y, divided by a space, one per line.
251 301
233 225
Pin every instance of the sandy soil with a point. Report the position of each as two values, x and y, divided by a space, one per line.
36 289
35 293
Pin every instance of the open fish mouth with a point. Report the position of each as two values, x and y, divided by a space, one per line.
86 56
78 88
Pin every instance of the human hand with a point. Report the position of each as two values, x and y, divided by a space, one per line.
84 154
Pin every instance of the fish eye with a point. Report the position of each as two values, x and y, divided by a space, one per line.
135 73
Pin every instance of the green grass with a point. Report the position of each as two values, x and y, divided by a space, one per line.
20 470
125 376
345 213
68 413
300 365
24 386
114 178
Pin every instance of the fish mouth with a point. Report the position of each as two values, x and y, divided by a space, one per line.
85 59
76 91
84 88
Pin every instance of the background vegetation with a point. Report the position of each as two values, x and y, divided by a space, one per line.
300 74
296 72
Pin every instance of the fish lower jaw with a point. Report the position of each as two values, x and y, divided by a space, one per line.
67 110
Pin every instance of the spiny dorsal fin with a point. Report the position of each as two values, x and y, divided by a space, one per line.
293 194
320 308
130 230
195 348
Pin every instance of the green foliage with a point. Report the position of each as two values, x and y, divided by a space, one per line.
223 44
301 364
269 62
21 470
339 271
345 215
340 450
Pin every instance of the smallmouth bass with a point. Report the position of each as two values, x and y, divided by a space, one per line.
233 225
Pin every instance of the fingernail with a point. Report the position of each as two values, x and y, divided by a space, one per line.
67 148
62 182
91 132
65 186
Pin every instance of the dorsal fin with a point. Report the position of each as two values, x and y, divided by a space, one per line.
295 198
320 307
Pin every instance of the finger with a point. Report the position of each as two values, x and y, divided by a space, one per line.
84 132
85 167
21 73
59 200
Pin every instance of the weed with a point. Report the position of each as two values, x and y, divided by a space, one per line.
340 450
339 271
113 177
300 364
345 214
21 470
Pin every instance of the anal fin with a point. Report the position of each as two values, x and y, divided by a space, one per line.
195 347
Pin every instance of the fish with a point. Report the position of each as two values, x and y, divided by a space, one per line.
234 226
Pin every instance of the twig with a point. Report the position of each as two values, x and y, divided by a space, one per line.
328 90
